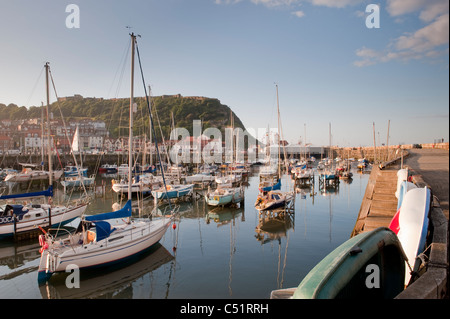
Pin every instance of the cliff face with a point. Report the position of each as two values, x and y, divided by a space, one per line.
115 113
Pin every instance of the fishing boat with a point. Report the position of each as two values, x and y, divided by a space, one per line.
98 241
173 191
413 225
353 268
224 196
273 200
17 219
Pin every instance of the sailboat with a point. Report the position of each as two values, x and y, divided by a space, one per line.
77 176
270 196
97 242
224 196
29 174
18 219
173 191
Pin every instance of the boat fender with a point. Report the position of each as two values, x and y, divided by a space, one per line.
43 244
355 250
41 240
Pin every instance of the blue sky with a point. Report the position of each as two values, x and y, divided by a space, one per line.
330 68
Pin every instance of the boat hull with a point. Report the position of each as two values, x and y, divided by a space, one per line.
77 182
413 225
60 218
344 272
176 192
109 251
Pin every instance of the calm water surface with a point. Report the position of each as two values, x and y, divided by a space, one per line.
220 253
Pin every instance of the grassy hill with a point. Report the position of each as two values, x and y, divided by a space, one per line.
115 113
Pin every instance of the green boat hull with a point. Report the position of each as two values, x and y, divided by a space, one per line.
369 265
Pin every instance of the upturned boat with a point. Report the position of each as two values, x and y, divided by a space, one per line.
369 265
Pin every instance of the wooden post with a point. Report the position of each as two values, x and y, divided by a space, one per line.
374 146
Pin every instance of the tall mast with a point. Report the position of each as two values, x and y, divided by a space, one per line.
49 147
130 139
279 138
151 137
42 135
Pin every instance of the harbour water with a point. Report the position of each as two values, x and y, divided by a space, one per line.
219 252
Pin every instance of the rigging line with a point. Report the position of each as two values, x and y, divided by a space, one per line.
35 85
65 129
122 63
151 120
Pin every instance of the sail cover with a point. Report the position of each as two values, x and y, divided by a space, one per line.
48 192
125 211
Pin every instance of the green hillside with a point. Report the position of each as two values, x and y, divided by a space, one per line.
115 113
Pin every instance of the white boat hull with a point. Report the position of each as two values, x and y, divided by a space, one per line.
59 215
120 245
413 224
32 176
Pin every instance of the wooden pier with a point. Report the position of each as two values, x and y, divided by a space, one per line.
379 203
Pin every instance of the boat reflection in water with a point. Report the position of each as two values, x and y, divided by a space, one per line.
113 282
274 226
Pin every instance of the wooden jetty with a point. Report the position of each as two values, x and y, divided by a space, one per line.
379 203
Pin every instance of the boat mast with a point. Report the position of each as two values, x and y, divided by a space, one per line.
130 139
42 135
49 147
279 139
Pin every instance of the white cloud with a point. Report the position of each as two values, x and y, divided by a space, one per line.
276 3
335 3
299 14
429 9
426 43
227 1
425 39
